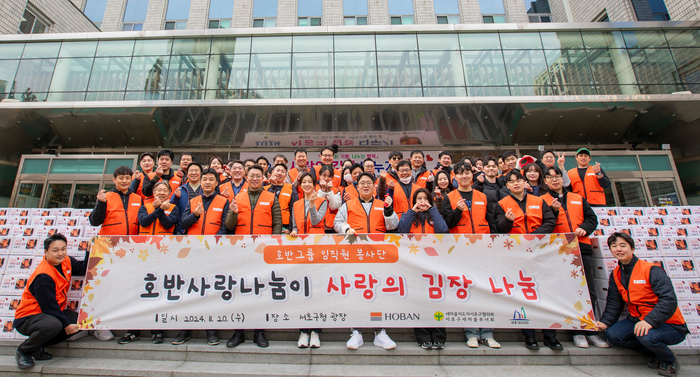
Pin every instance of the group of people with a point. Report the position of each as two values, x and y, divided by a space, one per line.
506 194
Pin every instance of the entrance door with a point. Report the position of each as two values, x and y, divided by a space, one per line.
29 195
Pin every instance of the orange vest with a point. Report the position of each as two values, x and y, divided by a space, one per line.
452 174
228 187
401 203
525 223
284 199
361 222
120 223
139 190
29 305
473 220
211 220
329 219
422 179
589 188
303 220
336 175
640 298
570 218
156 227
423 228
256 220
294 173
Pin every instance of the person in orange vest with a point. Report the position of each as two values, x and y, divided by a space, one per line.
156 218
445 164
205 215
404 190
349 185
42 314
421 176
522 213
117 210
255 211
163 173
589 181
300 161
424 218
236 184
367 214
654 321
325 189
510 163
146 162
191 188
285 193
389 176
574 215
327 155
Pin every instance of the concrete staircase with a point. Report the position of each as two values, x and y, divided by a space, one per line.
91 357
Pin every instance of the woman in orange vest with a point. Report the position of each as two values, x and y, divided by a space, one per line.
443 186
42 313
146 162
350 175
325 189
218 165
535 179
654 321
327 155
117 210
307 215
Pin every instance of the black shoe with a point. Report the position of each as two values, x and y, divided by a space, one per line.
24 360
669 369
182 337
438 346
427 346
128 338
212 338
531 343
553 343
260 339
41 354
236 339
157 338
653 363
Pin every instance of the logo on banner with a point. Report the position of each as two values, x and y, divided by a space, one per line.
375 316
519 317
401 316
438 316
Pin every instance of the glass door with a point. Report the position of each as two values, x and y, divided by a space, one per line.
630 193
85 195
663 192
29 195
58 195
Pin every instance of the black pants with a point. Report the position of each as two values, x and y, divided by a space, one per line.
587 259
432 334
138 332
44 330
545 332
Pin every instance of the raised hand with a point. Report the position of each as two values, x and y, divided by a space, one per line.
510 215
199 211
561 160
178 192
462 205
159 172
101 196
156 203
233 206
556 204
137 175
165 205
596 167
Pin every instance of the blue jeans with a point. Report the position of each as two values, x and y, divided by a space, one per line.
479 333
655 343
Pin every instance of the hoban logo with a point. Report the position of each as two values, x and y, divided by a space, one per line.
379 316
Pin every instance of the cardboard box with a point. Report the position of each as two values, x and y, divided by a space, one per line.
13 284
8 305
22 264
8 329
26 245
694 336
652 220
690 310
605 211
687 289
657 261
73 304
74 231
605 221
76 287
681 267
6 245
600 247
601 288
673 247
90 231
599 271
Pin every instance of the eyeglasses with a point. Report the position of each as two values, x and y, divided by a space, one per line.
364 183
553 177
395 158
404 170
327 155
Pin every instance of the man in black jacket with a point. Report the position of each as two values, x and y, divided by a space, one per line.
654 321
488 182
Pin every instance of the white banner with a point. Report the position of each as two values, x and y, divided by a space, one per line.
317 281
314 140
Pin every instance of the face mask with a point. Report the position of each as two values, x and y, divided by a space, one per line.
406 181
348 178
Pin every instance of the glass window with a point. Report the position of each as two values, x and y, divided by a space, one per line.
569 67
526 67
57 195
616 163
11 50
270 71
187 72
396 42
36 166
631 194
77 166
355 8
85 195
272 44
491 7
313 43
265 8
398 69
663 193
612 71
221 9
480 41
78 49
191 46
644 39
650 10
34 75
153 47
178 10
112 164
354 42
400 7
655 163
231 45
603 39
308 8
41 50
441 68
309 21
32 24
8 68
29 195
312 70
232 72
136 10
148 73
355 20
520 41
562 40
683 38
484 68
446 6
175 25
438 41
688 63
109 74
115 48
71 75
95 10
355 69
653 66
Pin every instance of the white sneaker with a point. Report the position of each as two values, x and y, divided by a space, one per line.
597 341
580 341
355 340
473 342
381 339
315 341
103 335
491 342
303 340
